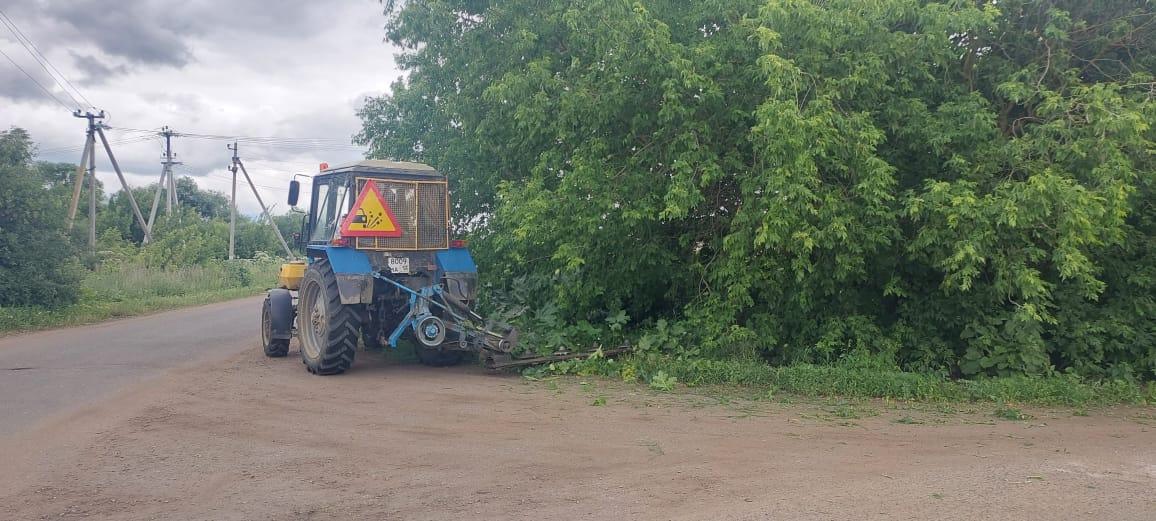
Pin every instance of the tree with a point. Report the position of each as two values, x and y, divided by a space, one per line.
958 186
37 263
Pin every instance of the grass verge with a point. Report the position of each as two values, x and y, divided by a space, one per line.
866 381
130 290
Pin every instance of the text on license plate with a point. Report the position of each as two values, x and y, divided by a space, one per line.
399 264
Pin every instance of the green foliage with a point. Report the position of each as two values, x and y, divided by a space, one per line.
960 188
662 381
868 380
1010 413
43 284
119 289
37 262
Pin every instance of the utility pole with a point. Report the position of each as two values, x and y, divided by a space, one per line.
238 164
87 158
167 182
94 131
233 203
92 196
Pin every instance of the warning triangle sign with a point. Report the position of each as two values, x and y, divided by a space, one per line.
370 216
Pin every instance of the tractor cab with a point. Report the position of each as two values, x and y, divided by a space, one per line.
379 265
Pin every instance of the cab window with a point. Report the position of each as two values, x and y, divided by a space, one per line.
332 203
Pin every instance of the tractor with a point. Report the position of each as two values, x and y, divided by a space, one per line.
380 265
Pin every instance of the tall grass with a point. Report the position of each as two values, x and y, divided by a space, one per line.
120 290
875 382
859 378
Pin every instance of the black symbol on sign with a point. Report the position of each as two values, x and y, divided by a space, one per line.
370 221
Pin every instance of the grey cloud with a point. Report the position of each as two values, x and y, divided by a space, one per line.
95 70
159 32
17 87
135 30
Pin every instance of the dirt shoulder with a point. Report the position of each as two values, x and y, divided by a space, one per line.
252 438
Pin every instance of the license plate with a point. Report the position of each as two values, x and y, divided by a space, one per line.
399 265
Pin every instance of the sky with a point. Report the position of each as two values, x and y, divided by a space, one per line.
256 68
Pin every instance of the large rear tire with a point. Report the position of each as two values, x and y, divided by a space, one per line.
327 329
274 348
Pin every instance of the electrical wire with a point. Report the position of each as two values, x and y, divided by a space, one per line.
309 143
115 141
229 178
41 59
42 88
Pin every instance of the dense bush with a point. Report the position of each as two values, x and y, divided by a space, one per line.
37 261
959 186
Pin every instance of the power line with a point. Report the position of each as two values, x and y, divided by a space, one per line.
120 141
41 58
42 88
267 141
223 177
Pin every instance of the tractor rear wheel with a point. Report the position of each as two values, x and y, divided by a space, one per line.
434 357
327 329
274 348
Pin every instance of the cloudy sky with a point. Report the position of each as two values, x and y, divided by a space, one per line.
257 68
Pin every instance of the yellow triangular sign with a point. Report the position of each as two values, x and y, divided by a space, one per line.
370 216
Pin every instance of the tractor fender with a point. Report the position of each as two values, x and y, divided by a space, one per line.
353 271
281 313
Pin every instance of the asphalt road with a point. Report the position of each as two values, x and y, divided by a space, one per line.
47 373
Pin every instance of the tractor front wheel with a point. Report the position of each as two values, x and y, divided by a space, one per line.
327 329
274 348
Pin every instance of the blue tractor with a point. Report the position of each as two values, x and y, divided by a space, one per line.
380 265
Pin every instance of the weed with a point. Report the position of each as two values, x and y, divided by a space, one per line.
845 412
599 401
1010 413
653 447
663 382
907 420
944 408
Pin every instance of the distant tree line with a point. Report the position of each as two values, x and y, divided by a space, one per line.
42 264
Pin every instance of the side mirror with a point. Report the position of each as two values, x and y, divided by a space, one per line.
294 192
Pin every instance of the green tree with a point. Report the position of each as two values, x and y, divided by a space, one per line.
37 263
956 186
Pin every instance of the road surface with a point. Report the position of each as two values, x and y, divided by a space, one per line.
199 425
46 373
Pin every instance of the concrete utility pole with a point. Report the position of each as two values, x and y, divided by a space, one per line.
233 203
92 195
167 182
88 159
265 210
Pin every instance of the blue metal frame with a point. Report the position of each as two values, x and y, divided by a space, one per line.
350 261
418 307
